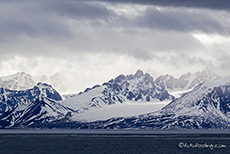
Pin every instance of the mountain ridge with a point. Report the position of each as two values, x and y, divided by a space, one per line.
23 81
205 107
19 108
137 87
209 109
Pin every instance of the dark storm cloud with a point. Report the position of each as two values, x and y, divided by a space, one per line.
77 27
38 19
210 4
32 27
183 20
77 9
46 18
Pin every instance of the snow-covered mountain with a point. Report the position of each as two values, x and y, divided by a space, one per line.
205 107
139 87
35 104
186 81
12 98
61 82
17 105
105 106
18 81
23 81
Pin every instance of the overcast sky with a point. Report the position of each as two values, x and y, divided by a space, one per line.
93 41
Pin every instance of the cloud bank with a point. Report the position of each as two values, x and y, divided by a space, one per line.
93 41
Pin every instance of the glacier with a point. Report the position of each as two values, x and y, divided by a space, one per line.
194 101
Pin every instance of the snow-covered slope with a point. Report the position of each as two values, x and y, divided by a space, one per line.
139 87
205 107
129 101
17 107
209 96
12 98
34 114
127 109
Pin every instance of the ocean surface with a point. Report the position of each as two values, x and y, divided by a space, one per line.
113 142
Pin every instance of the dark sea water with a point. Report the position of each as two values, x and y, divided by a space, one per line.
113 142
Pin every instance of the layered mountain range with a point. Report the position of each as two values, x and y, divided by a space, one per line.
23 81
205 106
18 81
185 81
139 87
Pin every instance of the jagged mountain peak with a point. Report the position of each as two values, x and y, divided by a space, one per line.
139 73
206 106
186 81
122 89
43 85
118 79
209 101
209 74
47 90
184 76
166 77
206 72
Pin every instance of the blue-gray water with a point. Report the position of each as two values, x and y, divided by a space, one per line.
113 142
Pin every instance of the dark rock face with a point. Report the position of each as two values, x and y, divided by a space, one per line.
220 99
48 91
138 87
135 87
